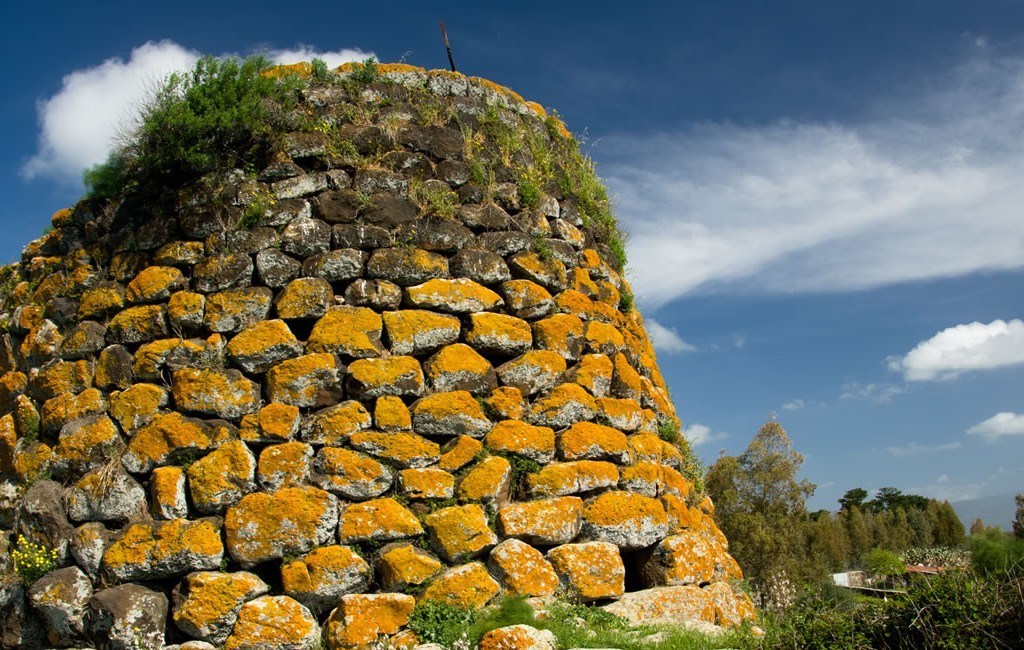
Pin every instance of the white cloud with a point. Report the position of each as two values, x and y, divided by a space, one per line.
974 346
795 405
80 123
999 425
915 449
666 339
881 393
932 190
698 434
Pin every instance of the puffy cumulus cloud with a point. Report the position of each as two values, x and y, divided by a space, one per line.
80 124
955 350
915 449
666 339
999 426
699 434
930 191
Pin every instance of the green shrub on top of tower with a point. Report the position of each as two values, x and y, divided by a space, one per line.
218 115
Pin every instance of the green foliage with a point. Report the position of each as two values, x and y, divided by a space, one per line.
366 72
997 552
32 561
542 248
434 621
320 73
1018 516
216 116
668 430
521 467
510 610
626 302
884 563
435 199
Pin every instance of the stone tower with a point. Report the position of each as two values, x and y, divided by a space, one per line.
395 361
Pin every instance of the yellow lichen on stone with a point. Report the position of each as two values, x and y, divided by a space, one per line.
66 408
564 405
138 324
405 449
488 481
467 585
561 333
351 474
603 338
532 372
414 331
304 298
575 303
544 522
377 520
154 283
626 381
257 347
459 453
154 550
264 526
222 393
86 443
460 532
273 622
506 402
590 441
101 300
459 295
167 493
186 309
560 479
400 376
459 366
53 380
426 483
222 477
527 299
309 380
323 571
168 433
732 606
334 425
349 331
527 440
211 601
623 414
360 619
391 414
278 422
137 406
522 569
284 465
625 519
31 460
589 571
405 565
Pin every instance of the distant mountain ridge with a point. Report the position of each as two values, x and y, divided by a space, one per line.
994 510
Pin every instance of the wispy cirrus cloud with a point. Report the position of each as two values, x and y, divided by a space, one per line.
79 125
930 192
959 349
915 449
880 392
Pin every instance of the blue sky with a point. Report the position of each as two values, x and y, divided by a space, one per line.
823 199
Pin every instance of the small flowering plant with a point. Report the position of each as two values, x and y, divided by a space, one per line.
32 561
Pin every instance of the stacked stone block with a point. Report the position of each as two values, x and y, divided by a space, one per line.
303 398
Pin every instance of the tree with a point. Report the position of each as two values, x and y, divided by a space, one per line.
948 530
1018 517
857 532
760 505
853 498
977 526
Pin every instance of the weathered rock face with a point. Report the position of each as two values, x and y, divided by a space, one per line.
401 357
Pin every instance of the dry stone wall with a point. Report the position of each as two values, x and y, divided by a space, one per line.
397 362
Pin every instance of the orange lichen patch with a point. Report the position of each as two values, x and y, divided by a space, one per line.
427 483
402 448
527 299
537 109
648 446
222 393
417 331
210 600
309 380
278 422
627 520
65 408
318 578
561 333
403 565
377 520
603 338
62 217
399 376
499 333
657 397
526 440
561 479
304 298
566 404
155 443
31 460
672 482
157 550
15 383
138 324
284 465
391 414
149 360
26 416
28 317
626 381
273 622
576 303
589 441
680 516
265 526
549 272
594 372
488 481
579 279
522 569
459 366
459 296
155 283
334 424
137 406
499 89
467 585
53 380
186 309
459 453
622 414
518 637
665 606
349 331
360 619
88 443
732 607
222 477
460 532
302 69
589 571
533 372
167 498
101 300
686 558
235 309
258 347
544 522
450 414
351 474
642 478
608 293
8 444
506 402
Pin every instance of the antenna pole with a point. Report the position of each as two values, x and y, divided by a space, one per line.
448 47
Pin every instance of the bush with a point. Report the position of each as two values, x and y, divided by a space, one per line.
884 563
434 621
32 561
997 552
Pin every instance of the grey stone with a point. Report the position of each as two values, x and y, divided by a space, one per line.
275 269
505 243
305 237
222 272
436 235
362 236
127 617
61 598
405 266
88 543
108 494
84 340
389 211
283 212
480 266
485 217
299 186
379 181
341 264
